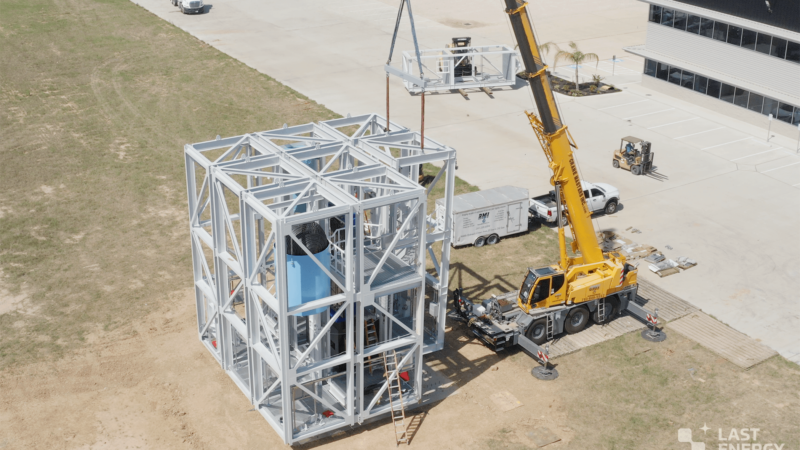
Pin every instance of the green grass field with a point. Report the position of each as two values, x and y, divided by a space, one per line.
98 99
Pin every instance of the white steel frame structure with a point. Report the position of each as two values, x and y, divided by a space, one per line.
309 372
492 66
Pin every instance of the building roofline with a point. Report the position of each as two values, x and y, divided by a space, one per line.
727 18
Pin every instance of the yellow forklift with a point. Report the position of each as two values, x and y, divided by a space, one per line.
634 155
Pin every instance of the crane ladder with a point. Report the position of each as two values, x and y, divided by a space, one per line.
601 310
398 410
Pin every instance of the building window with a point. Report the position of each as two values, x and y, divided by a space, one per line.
731 94
655 14
713 88
720 31
793 51
700 84
675 75
650 67
785 112
693 24
740 98
726 93
734 35
706 27
749 39
770 107
763 43
662 71
666 17
756 102
687 79
778 47
680 20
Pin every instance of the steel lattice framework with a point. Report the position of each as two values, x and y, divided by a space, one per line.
309 372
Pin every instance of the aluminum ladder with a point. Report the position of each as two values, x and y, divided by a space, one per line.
398 411
372 339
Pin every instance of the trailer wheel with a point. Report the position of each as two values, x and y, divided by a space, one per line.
537 332
479 242
612 308
492 239
576 320
615 163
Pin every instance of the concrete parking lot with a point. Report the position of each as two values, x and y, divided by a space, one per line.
727 197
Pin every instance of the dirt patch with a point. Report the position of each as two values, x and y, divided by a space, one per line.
14 302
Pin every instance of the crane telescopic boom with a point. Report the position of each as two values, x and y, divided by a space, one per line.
555 140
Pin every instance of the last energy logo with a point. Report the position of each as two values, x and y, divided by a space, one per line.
729 439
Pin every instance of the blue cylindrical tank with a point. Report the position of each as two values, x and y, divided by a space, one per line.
306 280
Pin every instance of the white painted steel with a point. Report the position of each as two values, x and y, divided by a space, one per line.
246 193
492 66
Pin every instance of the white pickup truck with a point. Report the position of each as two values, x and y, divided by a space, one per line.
189 6
600 197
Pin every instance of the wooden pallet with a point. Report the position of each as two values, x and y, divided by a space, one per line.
721 339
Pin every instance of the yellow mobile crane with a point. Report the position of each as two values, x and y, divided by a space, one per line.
560 297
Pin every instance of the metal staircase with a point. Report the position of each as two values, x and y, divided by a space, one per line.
396 404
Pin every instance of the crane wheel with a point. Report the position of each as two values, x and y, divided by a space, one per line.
615 163
576 320
612 309
480 242
537 332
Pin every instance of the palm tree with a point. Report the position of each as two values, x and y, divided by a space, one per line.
576 56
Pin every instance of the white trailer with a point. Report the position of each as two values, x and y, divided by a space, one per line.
484 217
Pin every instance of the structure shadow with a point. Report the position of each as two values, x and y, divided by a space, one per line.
451 363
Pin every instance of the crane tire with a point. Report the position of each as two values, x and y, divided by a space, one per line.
537 332
576 320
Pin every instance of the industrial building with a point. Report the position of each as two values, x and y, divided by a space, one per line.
737 57
313 286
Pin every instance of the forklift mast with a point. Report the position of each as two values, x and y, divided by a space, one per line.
555 139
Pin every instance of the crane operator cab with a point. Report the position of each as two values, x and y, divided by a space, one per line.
542 288
634 155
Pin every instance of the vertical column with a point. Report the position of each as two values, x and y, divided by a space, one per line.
419 311
252 311
197 264
444 274
287 378
224 332
350 285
